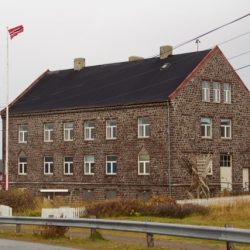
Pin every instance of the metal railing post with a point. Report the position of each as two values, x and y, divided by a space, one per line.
150 240
18 228
230 245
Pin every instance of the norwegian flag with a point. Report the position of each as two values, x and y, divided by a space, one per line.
15 31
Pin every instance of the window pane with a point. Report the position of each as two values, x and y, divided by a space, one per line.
114 132
147 168
111 158
68 125
143 120
68 158
108 132
143 157
114 167
22 159
141 168
89 158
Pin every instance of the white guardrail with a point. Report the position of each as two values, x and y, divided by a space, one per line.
203 232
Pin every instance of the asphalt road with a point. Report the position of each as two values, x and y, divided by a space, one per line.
20 245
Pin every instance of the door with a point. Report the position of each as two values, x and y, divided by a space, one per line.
245 178
226 178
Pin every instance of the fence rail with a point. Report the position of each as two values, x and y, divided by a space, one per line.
203 232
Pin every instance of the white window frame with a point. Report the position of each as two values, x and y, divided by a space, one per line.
205 91
227 93
226 129
111 130
216 92
68 132
89 131
50 165
23 133
144 165
112 164
143 127
225 161
48 132
22 166
89 165
206 126
67 165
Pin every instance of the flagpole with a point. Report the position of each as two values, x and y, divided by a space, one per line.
7 119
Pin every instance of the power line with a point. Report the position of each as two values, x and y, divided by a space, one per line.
234 38
241 54
213 30
220 27
243 67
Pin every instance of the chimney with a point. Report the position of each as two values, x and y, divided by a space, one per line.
166 51
79 64
135 58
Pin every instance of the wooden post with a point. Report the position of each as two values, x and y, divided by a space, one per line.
18 228
230 245
150 240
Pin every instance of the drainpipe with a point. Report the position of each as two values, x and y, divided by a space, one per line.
169 152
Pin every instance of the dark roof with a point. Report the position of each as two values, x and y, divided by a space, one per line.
124 83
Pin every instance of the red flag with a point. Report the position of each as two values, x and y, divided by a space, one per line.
15 31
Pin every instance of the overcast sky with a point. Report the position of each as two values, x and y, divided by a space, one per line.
55 32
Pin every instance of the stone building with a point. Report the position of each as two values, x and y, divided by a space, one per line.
119 130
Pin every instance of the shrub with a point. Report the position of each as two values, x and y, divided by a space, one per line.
53 231
19 200
157 206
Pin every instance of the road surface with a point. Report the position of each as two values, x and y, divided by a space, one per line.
21 245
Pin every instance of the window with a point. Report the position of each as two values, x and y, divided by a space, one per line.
48 132
89 130
205 91
225 160
111 165
227 93
68 131
89 163
23 133
143 164
206 128
225 126
143 127
210 168
216 92
22 166
48 165
111 129
68 165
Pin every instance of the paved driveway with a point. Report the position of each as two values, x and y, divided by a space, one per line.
20 245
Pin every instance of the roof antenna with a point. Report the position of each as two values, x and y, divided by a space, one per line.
197 41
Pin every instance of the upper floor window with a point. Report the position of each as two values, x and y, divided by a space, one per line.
225 160
68 165
89 130
227 93
225 126
206 127
48 132
205 91
22 165
111 165
111 129
48 165
216 92
143 127
23 133
68 131
143 164
89 163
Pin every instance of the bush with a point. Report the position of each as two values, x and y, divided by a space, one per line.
50 232
19 200
156 206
